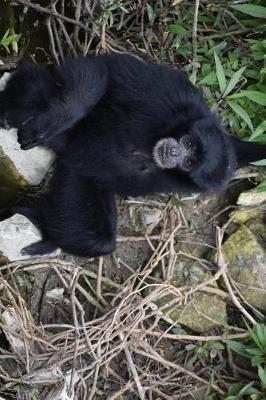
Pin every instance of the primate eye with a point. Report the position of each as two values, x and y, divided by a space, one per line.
188 144
187 162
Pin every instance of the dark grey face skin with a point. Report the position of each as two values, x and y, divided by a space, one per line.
169 153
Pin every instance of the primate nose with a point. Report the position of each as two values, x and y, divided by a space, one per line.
173 151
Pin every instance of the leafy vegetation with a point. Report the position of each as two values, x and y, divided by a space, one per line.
232 71
8 39
255 351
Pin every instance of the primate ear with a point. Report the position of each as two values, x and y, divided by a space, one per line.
247 152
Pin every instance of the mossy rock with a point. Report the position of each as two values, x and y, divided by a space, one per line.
11 182
19 169
202 311
243 216
189 272
245 255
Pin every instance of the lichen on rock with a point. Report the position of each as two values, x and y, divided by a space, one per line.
246 261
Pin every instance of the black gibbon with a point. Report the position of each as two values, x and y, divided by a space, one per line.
119 126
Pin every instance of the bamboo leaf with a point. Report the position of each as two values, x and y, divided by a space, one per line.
261 187
262 375
254 95
251 9
233 81
258 132
241 112
261 163
220 73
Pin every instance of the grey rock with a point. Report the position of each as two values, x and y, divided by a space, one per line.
17 232
31 164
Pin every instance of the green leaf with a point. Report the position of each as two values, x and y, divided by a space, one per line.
258 131
8 39
254 95
257 360
178 29
261 139
209 79
248 389
254 336
201 350
261 187
217 346
179 330
191 361
150 12
238 347
241 112
251 9
262 375
261 329
6 34
254 351
220 73
234 389
261 163
233 81
217 48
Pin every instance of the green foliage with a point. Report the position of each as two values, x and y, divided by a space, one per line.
261 163
110 7
220 73
8 39
254 349
238 392
232 73
262 187
202 350
241 108
251 9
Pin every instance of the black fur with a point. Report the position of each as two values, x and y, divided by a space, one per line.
103 117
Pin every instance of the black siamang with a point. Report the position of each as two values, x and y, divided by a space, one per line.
119 125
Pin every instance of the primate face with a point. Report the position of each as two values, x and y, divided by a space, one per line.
170 153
